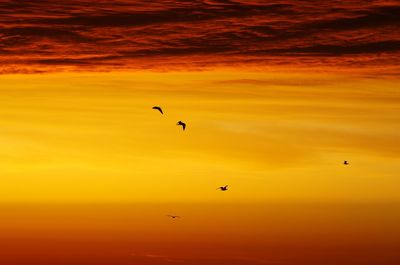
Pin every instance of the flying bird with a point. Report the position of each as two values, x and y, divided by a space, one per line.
159 109
345 162
223 188
173 216
182 124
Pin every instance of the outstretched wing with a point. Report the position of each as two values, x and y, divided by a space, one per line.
184 126
173 216
159 109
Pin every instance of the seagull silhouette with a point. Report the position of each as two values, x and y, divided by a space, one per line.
182 124
159 109
345 162
173 216
223 188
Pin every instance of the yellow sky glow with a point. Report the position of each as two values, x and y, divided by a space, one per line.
93 137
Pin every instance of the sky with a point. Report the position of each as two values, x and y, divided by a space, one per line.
77 35
94 137
275 95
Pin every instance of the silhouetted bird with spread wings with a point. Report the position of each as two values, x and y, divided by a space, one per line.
159 109
223 188
173 216
182 124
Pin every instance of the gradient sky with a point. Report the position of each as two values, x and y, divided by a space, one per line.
276 95
277 137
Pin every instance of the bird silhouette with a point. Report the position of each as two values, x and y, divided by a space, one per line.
173 216
223 188
182 124
159 109
346 163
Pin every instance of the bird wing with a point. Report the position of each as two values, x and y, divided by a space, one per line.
159 109
184 126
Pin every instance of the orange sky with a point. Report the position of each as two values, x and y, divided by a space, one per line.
207 234
272 137
275 96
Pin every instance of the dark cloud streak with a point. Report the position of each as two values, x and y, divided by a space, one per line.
81 35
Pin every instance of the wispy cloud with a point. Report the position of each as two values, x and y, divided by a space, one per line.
80 35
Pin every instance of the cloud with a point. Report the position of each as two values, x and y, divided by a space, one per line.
160 258
332 50
371 18
80 35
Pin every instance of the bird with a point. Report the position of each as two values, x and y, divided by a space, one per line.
223 188
345 162
182 124
173 216
159 109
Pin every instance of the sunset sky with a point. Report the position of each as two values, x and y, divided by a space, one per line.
78 35
276 95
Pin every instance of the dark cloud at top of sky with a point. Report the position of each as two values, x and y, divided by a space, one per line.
108 35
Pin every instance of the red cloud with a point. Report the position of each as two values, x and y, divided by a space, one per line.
108 35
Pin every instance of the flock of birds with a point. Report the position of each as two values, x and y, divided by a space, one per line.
181 123
222 188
